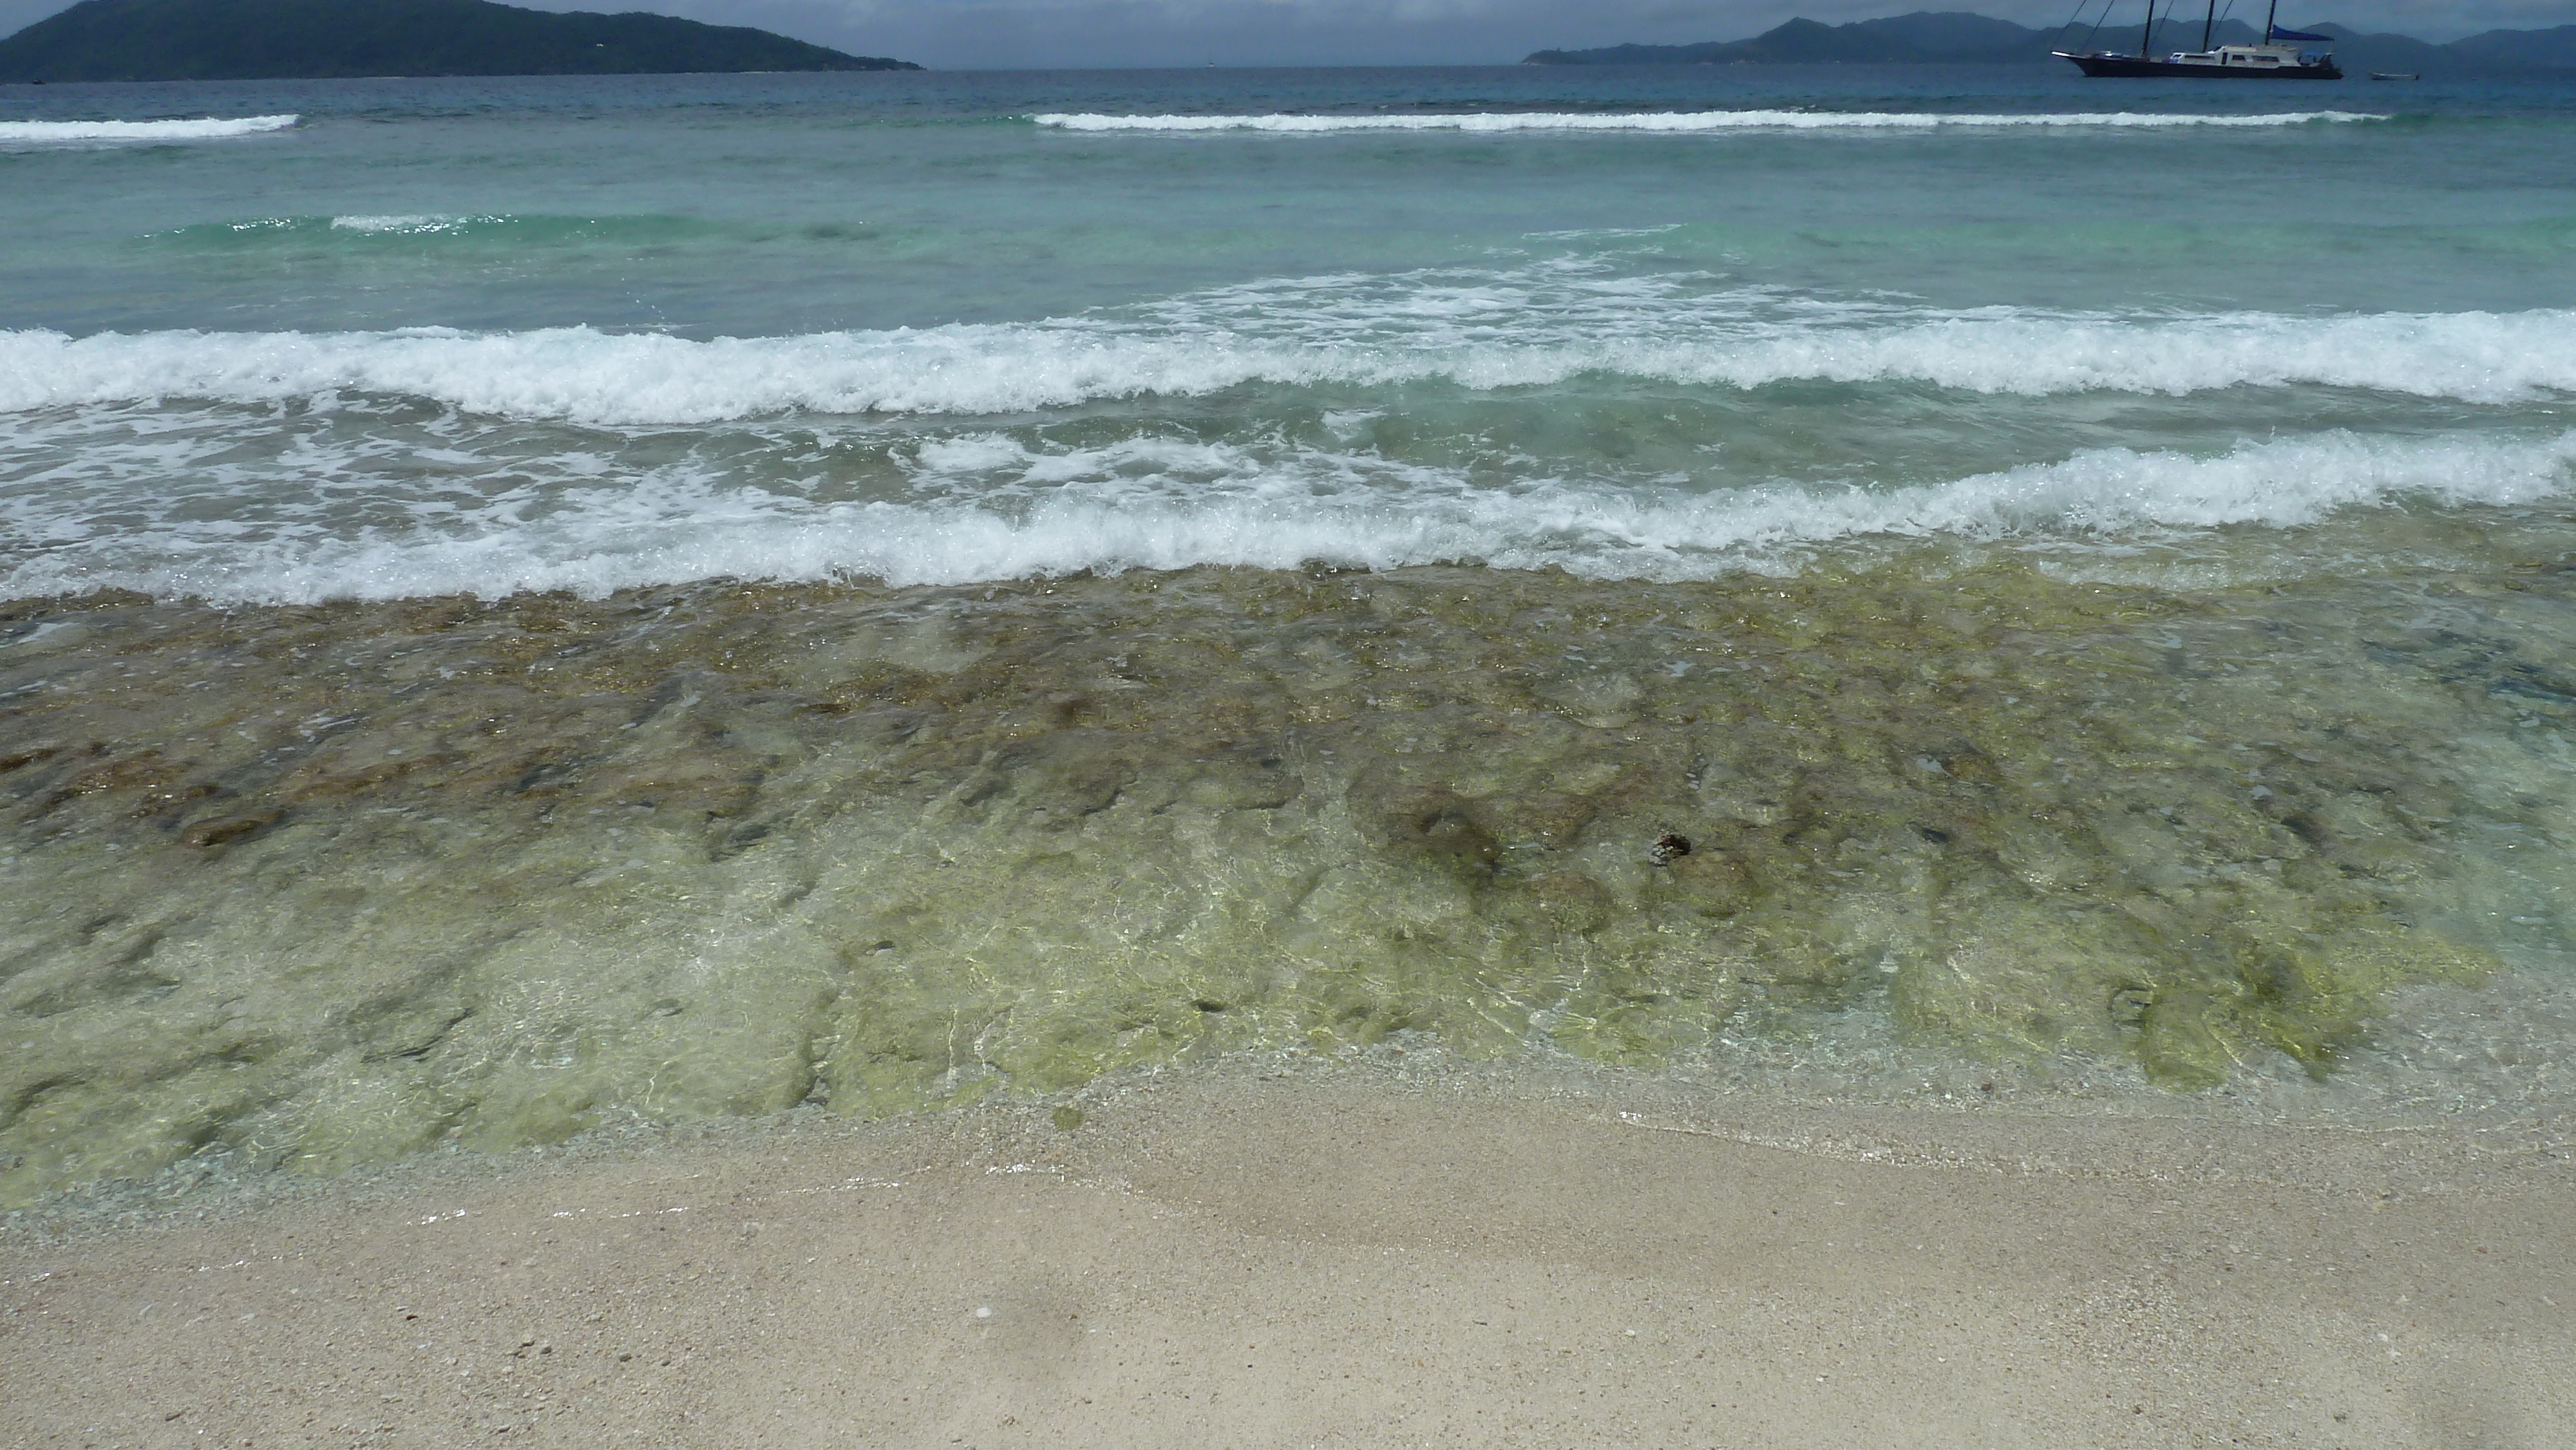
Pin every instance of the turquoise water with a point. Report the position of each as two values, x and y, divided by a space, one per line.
773 205
530 601
548 320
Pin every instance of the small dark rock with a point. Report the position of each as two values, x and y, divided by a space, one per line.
1668 848
229 829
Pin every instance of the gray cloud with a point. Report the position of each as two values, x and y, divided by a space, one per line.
1051 33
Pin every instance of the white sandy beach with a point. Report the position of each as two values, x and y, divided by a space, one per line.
1327 753
1338 1262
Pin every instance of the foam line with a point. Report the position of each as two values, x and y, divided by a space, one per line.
1217 342
402 224
205 129
990 508
1692 121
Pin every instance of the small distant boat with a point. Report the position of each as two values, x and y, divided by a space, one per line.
2283 55
2397 75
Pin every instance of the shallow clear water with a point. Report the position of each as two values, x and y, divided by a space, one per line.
1053 574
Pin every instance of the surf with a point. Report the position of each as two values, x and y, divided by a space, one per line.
208 128
1217 341
1685 122
986 507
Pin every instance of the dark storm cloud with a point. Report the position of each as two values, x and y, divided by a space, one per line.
961 33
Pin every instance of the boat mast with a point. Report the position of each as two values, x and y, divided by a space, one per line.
2274 9
2207 24
2147 37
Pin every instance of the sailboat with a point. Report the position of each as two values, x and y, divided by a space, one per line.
2282 55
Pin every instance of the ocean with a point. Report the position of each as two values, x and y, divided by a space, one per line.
531 605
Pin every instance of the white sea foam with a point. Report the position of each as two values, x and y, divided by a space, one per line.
989 507
244 466
1485 339
208 128
1693 121
400 224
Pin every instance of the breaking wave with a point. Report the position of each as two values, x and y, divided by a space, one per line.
1476 338
207 128
986 506
1692 121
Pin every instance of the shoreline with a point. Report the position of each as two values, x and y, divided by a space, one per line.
1397 1262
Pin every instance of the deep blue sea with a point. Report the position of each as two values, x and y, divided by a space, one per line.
539 602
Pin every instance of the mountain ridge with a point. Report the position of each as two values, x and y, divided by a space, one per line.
1958 37
174 40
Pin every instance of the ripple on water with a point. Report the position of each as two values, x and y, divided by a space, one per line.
317 886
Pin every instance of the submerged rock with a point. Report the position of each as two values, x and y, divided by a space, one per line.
502 871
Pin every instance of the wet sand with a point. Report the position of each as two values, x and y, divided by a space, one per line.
1348 1259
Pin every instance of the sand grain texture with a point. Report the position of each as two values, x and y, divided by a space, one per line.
1254 1263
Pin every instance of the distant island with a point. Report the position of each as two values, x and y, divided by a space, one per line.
1959 38
243 40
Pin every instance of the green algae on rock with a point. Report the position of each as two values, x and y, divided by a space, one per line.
318 886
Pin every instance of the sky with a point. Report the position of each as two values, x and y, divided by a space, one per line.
967 34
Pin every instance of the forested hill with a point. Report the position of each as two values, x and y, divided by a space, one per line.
1959 38
1952 36
174 40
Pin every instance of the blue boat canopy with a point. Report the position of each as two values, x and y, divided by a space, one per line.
2280 34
